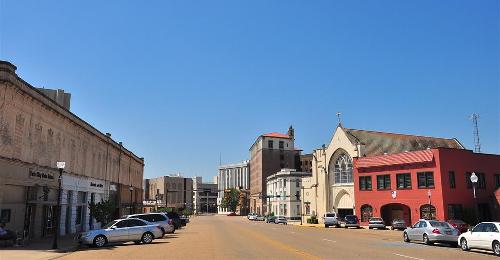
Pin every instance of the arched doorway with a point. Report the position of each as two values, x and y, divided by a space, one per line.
366 212
343 203
392 211
427 211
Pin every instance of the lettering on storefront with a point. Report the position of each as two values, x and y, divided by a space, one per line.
98 185
40 175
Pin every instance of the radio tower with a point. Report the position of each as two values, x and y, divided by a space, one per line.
477 146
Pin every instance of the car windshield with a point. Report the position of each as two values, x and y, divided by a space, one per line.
110 224
398 220
460 222
375 219
350 217
438 224
330 215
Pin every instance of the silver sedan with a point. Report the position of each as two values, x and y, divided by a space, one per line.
122 230
431 231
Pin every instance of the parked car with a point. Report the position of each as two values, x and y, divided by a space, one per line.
484 235
270 219
351 221
280 219
175 219
122 230
331 219
377 223
161 219
184 220
459 224
231 214
431 231
251 216
259 218
398 224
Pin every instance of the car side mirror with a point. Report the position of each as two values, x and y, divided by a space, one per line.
113 227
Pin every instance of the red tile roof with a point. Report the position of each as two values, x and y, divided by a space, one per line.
278 135
423 156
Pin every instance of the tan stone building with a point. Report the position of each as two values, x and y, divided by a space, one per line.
174 192
269 154
331 186
35 133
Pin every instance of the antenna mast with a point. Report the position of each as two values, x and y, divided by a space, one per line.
477 145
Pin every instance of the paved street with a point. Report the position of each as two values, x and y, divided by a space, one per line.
222 237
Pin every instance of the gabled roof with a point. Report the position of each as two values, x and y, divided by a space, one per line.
377 143
277 135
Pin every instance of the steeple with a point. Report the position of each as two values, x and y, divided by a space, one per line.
291 132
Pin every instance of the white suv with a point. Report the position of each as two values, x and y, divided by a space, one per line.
331 219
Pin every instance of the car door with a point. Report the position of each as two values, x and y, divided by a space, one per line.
118 232
136 229
474 239
411 231
486 237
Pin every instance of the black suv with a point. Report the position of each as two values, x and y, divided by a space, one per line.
176 219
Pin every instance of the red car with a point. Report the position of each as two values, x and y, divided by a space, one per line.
459 224
231 214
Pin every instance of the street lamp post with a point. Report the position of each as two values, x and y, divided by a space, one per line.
131 189
474 179
60 166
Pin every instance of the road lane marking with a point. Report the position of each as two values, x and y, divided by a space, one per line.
277 244
291 232
324 239
411 257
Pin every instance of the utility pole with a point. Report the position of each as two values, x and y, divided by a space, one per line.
477 145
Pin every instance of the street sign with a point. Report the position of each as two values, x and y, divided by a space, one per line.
61 165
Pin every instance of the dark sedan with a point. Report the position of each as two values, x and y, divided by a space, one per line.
459 224
398 224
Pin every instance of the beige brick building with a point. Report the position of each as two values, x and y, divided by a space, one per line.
35 133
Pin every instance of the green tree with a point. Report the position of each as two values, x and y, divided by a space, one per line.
102 211
231 199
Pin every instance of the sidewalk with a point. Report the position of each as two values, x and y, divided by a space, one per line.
41 249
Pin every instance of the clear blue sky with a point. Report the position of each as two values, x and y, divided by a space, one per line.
180 81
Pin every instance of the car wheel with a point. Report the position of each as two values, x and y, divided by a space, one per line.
496 248
405 237
338 226
326 226
426 240
369 227
162 232
147 238
463 244
100 241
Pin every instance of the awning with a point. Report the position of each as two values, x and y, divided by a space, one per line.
424 156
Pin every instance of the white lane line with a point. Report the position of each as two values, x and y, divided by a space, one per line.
411 257
324 239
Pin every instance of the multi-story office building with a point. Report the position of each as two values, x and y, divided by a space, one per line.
173 191
269 154
237 176
306 163
205 196
284 192
35 133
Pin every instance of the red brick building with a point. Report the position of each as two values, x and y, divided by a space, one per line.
412 185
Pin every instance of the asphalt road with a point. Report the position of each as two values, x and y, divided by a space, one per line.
222 237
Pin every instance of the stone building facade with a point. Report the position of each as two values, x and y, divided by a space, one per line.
269 154
205 196
174 192
284 192
35 133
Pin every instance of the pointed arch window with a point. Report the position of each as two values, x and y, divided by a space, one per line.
343 169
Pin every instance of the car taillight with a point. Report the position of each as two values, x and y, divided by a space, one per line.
436 231
170 222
